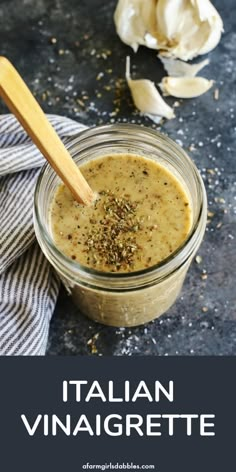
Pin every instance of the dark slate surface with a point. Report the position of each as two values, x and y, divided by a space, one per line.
79 73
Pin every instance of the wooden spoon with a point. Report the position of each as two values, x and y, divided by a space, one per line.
23 105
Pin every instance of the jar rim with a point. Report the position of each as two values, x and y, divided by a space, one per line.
178 256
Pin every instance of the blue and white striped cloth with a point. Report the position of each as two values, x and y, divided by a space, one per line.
28 284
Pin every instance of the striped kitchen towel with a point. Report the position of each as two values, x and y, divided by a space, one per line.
28 284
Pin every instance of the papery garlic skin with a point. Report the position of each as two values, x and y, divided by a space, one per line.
185 87
177 68
146 96
182 29
155 118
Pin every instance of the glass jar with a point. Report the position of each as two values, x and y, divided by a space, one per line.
133 298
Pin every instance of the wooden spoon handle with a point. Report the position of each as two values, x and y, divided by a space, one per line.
23 105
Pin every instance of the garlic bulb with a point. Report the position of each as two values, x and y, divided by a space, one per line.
185 87
177 68
146 96
179 28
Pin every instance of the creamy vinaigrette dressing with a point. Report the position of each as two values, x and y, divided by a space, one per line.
141 217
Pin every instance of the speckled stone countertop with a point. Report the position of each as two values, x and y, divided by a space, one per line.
70 56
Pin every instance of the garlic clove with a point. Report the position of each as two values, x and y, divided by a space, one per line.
185 87
146 96
208 13
177 68
135 21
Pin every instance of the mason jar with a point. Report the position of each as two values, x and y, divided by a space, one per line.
124 299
